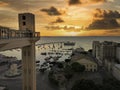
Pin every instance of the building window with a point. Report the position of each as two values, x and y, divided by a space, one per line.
24 23
23 17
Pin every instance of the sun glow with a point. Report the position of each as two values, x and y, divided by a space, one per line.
72 33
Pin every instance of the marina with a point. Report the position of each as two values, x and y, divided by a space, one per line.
54 52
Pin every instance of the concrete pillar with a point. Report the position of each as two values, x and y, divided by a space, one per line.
29 67
27 22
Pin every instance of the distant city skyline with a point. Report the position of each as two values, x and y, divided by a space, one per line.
66 17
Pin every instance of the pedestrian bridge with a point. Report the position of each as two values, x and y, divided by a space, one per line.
12 39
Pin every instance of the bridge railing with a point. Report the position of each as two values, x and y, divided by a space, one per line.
7 33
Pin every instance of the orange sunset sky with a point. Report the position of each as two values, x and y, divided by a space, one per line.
66 17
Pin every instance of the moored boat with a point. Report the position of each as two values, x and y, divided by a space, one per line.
68 43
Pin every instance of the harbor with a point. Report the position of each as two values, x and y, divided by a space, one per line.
54 52
47 53
48 58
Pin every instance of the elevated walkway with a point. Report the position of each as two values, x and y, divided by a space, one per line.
12 39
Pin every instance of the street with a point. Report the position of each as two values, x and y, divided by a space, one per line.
42 82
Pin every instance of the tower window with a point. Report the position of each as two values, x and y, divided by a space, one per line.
23 17
24 23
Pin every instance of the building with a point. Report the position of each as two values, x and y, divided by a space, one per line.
116 71
27 22
90 65
109 63
118 52
104 50
96 48
78 50
7 59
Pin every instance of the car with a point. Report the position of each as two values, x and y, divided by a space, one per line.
3 87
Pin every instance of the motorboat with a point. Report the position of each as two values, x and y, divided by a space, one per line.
68 43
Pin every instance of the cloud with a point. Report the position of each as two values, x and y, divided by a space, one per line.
53 11
104 24
99 13
8 18
114 32
84 2
3 4
104 19
73 2
30 5
64 27
16 4
58 20
111 0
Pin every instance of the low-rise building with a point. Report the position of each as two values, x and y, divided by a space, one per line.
78 50
8 59
90 65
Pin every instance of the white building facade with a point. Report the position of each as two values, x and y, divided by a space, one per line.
89 64
116 71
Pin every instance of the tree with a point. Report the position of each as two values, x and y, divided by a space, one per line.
90 51
76 67
111 84
108 84
84 52
68 73
67 60
60 65
84 85
52 78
